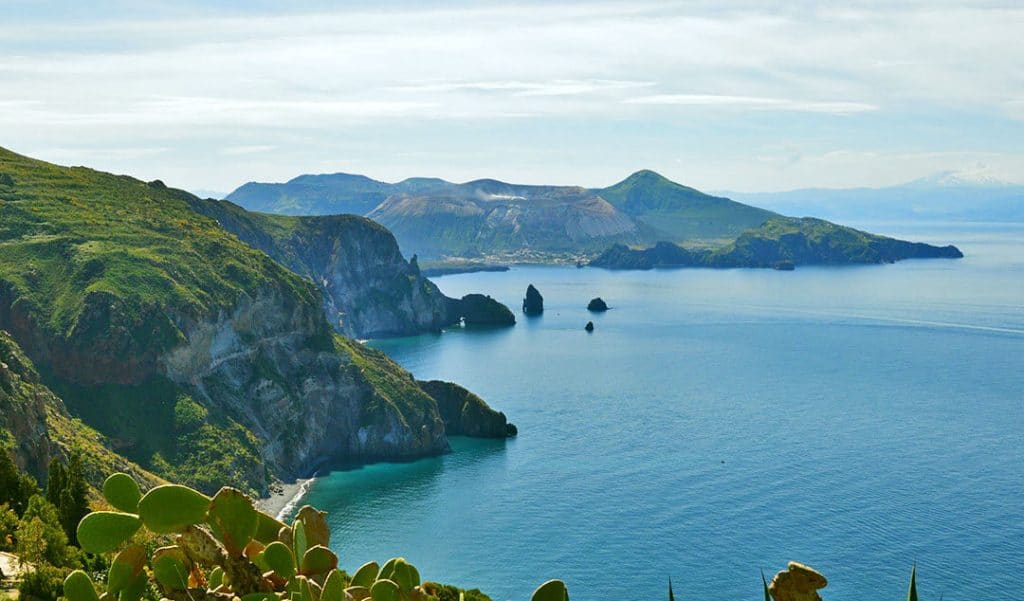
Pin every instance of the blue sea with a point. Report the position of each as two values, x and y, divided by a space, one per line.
717 422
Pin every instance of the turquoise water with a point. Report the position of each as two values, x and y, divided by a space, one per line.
716 422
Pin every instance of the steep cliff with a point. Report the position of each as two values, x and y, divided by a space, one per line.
198 356
369 289
37 426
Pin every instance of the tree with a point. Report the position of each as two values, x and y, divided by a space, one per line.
66 489
15 486
40 534
8 527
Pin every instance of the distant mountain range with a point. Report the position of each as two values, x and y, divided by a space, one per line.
488 218
945 196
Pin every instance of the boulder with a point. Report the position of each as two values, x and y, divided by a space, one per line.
597 305
589 327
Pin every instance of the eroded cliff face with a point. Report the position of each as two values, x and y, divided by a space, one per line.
305 395
370 290
23 409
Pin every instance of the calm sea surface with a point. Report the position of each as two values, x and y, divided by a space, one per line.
856 419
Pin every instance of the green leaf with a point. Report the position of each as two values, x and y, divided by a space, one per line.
314 523
122 491
385 590
233 519
78 587
318 560
764 586
267 528
671 595
366 574
104 531
552 590
216 578
170 568
125 568
912 593
172 508
334 587
280 559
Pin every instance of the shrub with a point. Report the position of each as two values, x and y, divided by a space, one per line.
45 583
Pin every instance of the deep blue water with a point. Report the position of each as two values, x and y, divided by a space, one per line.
716 422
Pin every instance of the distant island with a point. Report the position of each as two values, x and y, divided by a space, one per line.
496 222
642 222
781 243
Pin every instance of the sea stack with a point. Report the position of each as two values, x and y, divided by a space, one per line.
533 304
597 305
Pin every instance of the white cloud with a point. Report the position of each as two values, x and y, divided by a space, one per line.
753 102
373 82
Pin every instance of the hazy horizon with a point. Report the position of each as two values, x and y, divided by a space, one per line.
718 96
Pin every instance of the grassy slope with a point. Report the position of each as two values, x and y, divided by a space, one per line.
66 233
72 239
681 212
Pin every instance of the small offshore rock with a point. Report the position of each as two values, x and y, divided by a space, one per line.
798 583
597 305
589 327
533 304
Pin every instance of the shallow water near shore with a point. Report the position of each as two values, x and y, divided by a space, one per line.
856 419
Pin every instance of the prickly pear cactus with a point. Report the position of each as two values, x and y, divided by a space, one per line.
797 583
224 549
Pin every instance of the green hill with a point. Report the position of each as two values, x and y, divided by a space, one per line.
681 213
197 356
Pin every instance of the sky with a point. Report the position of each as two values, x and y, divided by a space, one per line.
720 95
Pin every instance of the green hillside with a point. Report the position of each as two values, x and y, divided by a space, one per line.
681 213
195 355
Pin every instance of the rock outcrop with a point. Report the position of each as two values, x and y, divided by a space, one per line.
533 304
466 414
589 327
480 310
597 305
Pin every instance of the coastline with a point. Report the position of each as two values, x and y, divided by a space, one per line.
285 498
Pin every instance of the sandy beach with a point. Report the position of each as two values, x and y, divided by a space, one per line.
284 498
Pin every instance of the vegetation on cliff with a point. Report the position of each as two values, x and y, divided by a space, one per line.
197 356
467 414
782 242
